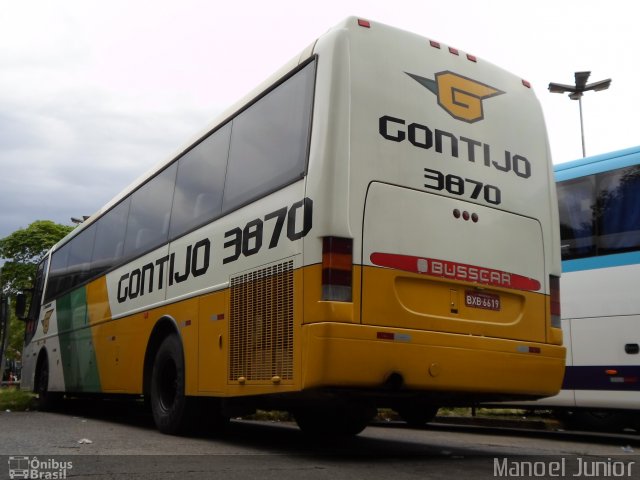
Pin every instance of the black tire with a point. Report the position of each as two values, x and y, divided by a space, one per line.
417 415
169 405
338 421
46 401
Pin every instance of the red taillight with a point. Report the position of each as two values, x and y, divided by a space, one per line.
554 284
364 23
337 269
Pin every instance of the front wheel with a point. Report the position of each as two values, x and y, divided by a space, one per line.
46 400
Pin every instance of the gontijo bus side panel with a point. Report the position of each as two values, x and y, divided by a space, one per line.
377 226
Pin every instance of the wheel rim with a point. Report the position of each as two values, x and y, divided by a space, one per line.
168 384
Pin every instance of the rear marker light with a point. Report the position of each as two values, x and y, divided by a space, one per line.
611 372
337 269
454 51
395 337
528 349
623 379
526 84
434 44
466 215
554 284
472 58
364 23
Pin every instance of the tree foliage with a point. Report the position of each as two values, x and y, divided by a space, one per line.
24 249
16 337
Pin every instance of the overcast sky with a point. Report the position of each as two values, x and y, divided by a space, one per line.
93 93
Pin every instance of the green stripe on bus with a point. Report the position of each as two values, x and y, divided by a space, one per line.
76 343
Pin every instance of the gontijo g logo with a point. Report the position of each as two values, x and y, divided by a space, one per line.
460 96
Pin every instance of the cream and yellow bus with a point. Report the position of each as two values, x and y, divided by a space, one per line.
374 226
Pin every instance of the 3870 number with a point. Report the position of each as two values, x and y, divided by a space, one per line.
456 185
247 241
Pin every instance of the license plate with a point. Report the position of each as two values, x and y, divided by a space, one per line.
486 301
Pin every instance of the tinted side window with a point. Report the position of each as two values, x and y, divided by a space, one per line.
59 281
36 302
600 214
269 141
575 202
618 210
200 182
70 264
148 224
80 252
109 243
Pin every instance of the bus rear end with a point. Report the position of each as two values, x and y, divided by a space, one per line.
434 275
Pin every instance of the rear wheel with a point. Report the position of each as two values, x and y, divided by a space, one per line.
168 401
174 412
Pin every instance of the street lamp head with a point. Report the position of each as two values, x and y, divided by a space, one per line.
581 79
78 221
576 91
599 86
560 88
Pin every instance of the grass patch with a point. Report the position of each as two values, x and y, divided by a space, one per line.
388 415
482 412
15 400
270 416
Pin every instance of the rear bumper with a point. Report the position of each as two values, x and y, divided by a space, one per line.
452 366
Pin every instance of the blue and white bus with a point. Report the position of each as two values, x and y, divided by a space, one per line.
599 209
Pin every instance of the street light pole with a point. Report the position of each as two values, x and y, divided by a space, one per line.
576 91
582 127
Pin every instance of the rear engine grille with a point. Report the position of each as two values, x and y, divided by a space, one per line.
261 324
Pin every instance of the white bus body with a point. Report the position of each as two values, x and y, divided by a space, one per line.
599 204
391 240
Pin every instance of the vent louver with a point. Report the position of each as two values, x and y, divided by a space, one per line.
261 324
